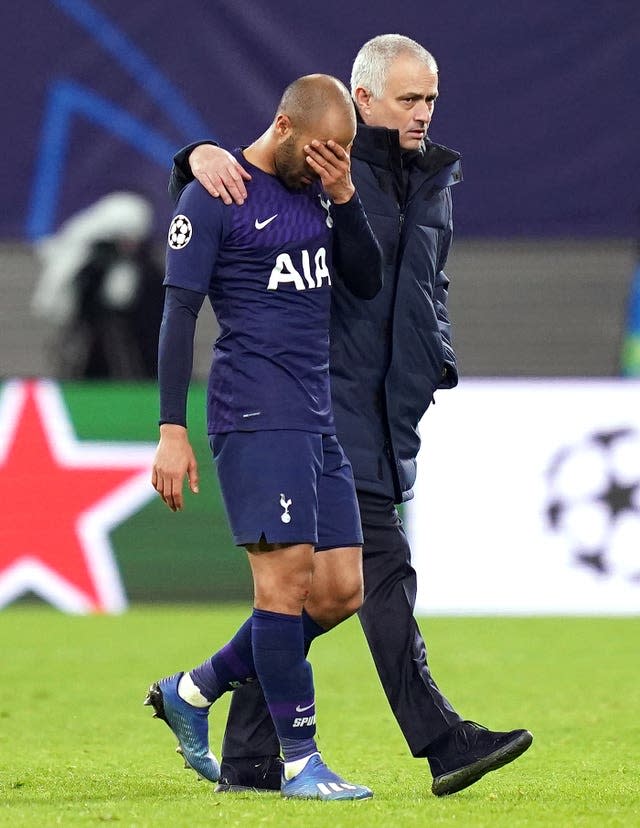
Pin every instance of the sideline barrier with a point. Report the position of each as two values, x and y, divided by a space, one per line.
527 501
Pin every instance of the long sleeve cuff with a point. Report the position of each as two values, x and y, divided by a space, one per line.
356 253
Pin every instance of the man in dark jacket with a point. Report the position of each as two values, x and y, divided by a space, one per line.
388 357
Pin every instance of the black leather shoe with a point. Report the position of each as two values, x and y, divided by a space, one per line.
467 751
256 774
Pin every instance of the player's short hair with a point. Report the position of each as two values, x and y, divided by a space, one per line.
371 64
310 96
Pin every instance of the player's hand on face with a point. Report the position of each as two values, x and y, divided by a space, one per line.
332 163
173 462
219 173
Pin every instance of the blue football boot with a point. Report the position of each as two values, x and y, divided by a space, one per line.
317 781
189 724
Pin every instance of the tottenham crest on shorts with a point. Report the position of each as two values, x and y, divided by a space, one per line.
180 233
285 517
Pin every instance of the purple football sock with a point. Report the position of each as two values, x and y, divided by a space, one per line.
228 668
311 629
233 664
287 680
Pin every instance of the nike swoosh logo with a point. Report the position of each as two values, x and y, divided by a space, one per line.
260 224
302 709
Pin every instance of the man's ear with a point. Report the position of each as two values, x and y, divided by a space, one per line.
363 98
282 125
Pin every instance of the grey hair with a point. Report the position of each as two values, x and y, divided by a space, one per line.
371 65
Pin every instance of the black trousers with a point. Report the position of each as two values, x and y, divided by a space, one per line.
394 639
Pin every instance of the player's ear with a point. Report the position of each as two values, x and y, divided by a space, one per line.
282 125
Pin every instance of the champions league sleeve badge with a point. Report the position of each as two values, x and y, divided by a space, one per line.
180 233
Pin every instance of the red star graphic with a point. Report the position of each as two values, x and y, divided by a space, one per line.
46 521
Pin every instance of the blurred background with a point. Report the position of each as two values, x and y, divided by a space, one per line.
540 98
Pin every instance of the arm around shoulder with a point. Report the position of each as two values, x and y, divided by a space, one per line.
181 173
218 170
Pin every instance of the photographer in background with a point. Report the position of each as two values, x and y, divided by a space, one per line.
101 286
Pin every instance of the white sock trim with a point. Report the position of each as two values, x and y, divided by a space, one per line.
292 769
190 692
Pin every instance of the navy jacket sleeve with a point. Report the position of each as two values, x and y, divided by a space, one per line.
181 173
440 298
357 256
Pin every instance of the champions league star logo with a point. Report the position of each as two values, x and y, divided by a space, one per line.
180 233
594 502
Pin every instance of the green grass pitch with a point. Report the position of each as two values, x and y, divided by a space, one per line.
78 748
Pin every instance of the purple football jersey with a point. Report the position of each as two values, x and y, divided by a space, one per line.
266 267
